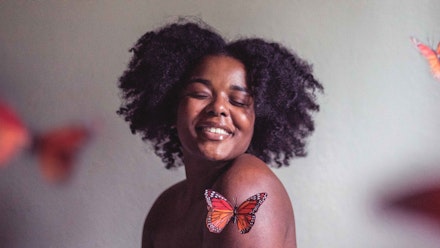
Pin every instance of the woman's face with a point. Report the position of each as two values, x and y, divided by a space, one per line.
215 116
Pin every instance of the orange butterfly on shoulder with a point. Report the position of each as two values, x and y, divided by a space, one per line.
221 211
431 55
56 149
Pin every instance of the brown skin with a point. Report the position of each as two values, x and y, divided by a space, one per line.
215 123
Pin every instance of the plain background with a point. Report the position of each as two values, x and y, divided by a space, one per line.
377 132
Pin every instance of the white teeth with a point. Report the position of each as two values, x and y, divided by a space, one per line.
216 130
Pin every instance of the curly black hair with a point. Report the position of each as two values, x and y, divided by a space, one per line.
281 84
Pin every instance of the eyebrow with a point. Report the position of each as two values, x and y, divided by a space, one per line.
199 80
208 83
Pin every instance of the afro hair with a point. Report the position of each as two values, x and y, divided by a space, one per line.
281 84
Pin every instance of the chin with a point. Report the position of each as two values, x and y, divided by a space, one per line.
222 157
215 157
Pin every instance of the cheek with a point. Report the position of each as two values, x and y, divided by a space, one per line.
187 113
246 122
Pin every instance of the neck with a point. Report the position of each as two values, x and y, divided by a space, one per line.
202 174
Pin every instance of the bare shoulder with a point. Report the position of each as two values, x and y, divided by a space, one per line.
247 176
172 193
274 224
248 172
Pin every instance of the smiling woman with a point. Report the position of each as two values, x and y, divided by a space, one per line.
215 117
224 111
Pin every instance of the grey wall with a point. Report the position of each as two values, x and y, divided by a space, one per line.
377 130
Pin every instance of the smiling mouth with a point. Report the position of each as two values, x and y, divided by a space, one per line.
214 133
215 130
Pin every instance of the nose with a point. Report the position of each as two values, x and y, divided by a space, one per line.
217 107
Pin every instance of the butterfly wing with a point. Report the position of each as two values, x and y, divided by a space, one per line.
13 134
430 55
424 201
58 149
245 213
220 211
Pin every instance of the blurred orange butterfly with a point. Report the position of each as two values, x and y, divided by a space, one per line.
55 149
433 56
221 211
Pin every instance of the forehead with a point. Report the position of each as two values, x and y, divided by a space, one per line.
221 67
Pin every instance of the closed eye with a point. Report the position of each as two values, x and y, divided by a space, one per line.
238 103
240 100
198 95
197 89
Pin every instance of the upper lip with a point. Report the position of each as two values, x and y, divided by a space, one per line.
206 124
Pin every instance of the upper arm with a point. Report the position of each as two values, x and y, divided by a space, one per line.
151 221
274 223
156 217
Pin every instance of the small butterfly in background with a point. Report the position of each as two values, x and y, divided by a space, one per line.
424 202
433 56
56 149
221 211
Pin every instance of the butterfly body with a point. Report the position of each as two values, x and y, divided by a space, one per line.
221 211
431 55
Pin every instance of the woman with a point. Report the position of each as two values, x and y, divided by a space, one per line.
224 111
